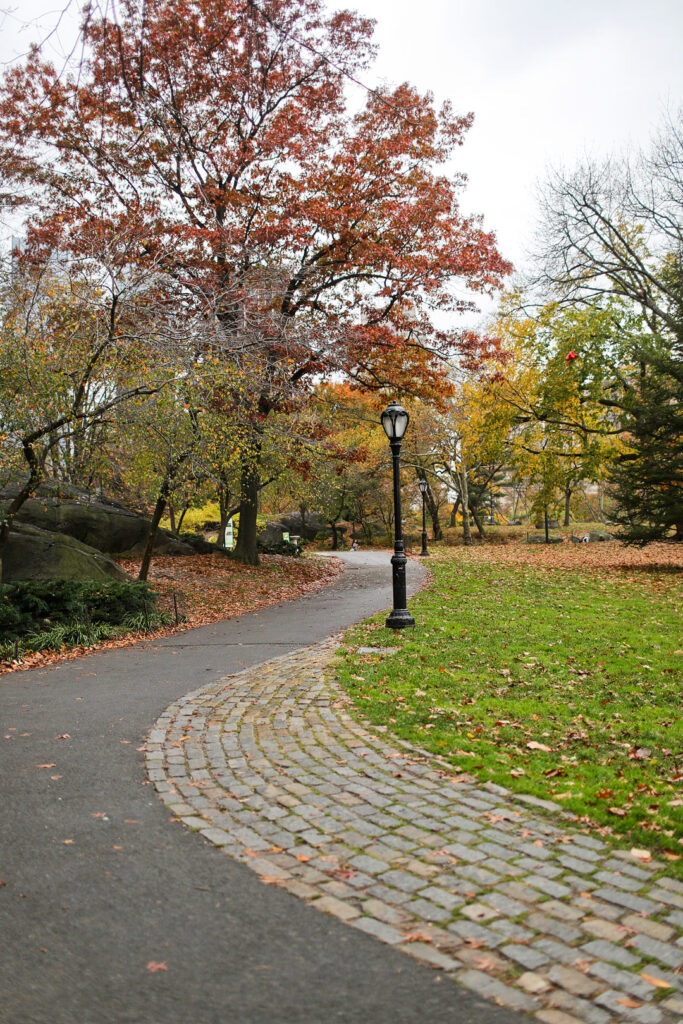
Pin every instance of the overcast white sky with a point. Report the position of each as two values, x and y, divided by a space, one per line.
548 81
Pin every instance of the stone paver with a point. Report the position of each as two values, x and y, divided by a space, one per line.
496 890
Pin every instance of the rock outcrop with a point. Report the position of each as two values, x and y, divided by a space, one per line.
34 554
95 521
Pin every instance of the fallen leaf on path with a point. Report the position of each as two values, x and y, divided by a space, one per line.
67 842
271 879
46 765
644 855
153 966
651 979
63 736
485 964
417 937
629 1002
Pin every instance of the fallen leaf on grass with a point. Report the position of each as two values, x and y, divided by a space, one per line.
533 745
651 979
618 811
153 966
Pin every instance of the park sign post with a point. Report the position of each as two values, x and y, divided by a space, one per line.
229 539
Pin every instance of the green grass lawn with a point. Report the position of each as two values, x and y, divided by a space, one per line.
558 682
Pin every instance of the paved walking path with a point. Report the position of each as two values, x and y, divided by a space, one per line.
495 890
111 914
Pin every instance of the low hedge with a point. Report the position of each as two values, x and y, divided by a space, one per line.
50 614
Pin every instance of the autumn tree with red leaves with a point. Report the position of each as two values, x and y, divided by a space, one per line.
321 239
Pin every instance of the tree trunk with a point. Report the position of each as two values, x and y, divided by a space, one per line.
182 515
477 520
335 535
465 499
154 529
515 502
567 500
223 505
454 511
245 549
433 509
171 516
8 517
162 501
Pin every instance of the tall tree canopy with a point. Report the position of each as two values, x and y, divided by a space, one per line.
313 237
220 128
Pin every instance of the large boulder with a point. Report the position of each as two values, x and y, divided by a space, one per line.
34 554
95 521
308 529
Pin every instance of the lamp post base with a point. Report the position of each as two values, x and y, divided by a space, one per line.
400 618
424 551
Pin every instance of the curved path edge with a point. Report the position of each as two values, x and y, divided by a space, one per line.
481 884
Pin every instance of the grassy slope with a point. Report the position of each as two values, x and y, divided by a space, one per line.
584 664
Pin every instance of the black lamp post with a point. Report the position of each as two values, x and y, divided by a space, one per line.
395 420
423 485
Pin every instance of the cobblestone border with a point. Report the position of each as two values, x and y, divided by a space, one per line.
469 878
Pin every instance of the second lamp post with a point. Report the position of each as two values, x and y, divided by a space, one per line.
423 485
395 420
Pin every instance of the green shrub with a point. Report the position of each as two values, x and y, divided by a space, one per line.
283 547
48 614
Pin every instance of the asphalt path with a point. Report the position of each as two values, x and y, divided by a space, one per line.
110 913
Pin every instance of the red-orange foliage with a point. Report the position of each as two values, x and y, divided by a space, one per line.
219 128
